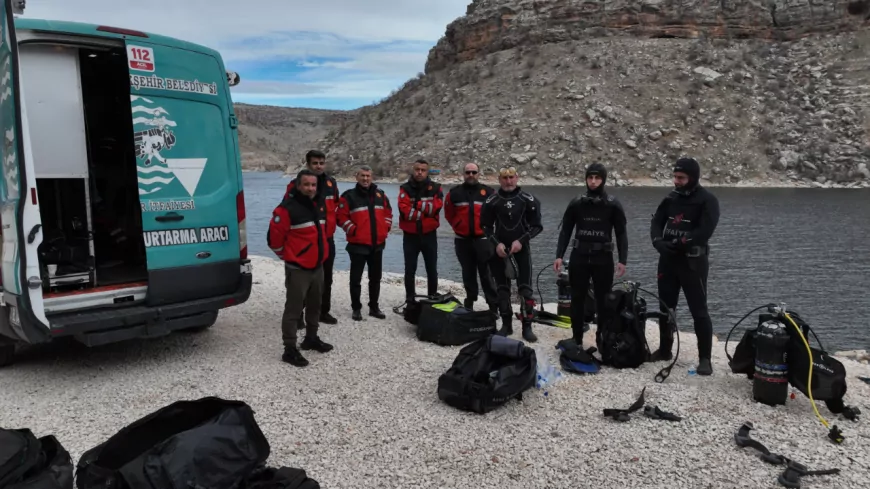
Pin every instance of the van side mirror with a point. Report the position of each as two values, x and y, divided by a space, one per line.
233 78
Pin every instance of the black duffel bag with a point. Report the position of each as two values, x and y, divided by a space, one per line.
27 462
411 311
487 374
207 443
450 324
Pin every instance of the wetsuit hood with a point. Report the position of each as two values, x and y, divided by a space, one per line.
690 167
601 171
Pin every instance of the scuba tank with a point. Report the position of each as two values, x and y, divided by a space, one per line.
770 381
564 304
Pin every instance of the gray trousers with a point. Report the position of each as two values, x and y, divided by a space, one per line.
304 291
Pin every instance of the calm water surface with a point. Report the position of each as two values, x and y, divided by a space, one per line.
809 248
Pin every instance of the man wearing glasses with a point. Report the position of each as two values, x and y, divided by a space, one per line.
462 210
510 219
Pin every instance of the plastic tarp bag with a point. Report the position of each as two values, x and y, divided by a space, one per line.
450 324
487 374
27 462
207 443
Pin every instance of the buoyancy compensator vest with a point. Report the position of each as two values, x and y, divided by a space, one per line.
621 334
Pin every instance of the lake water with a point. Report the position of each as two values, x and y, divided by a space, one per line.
809 248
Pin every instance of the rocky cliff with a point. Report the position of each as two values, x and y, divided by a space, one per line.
772 91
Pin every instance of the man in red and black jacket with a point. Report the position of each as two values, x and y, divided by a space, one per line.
297 235
327 190
420 202
365 214
462 210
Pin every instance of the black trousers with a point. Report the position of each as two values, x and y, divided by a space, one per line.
690 275
413 245
358 262
598 267
473 264
497 266
326 300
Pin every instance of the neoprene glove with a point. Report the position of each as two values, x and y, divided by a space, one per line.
663 247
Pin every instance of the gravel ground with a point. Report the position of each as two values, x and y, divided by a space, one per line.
367 414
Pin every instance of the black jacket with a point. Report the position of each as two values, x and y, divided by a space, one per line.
595 218
511 216
686 220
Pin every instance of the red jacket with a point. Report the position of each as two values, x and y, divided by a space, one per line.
327 188
462 208
365 215
296 231
419 206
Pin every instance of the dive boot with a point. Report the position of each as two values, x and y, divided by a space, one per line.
528 335
468 304
704 367
507 327
661 355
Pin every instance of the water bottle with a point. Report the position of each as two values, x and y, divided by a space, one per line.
548 375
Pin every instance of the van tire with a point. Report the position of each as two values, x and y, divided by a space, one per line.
7 353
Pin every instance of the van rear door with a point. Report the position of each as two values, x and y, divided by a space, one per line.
187 172
23 314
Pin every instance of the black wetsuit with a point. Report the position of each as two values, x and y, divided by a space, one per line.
595 216
507 217
680 229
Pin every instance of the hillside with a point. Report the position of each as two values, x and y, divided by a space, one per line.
757 94
273 138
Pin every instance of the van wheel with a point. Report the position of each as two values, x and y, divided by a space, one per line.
7 354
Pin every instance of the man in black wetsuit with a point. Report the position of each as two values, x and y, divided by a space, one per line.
595 215
680 230
511 218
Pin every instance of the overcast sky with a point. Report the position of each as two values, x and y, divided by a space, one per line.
338 54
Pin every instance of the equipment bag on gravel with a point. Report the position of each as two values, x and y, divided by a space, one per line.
30 463
283 478
410 311
487 374
207 443
450 324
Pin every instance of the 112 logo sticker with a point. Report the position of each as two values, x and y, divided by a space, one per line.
140 58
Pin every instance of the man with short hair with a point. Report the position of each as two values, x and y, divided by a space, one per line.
327 190
462 210
511 218
680 230
365 215
420 203
297 236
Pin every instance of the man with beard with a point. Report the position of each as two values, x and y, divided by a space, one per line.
596 215
327 190
462 210
680 231
511 218
420 203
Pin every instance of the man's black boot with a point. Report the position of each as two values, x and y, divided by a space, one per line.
507 327
468 304
293 357
327 318
315 344
528 334
705 367
357 315
376 312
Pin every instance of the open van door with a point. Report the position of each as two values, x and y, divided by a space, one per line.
22 315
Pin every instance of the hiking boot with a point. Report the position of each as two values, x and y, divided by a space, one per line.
468 304
327 318
660 355
376 312
507 327
293 357
528 335
704 367
315 344
357 315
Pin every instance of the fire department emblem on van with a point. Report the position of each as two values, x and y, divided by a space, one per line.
153 136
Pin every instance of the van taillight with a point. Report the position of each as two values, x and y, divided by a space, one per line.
123 32
243 230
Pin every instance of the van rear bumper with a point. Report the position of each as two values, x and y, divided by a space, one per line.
105 326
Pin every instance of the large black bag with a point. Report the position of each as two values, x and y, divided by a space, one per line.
207 443
451 324
487 374
621 334
30 463
283 478
411 311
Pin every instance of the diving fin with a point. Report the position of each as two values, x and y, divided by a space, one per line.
550 319
573 359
